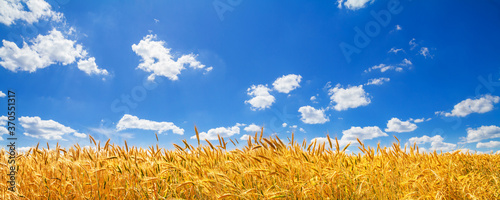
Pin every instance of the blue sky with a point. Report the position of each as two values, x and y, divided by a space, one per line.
424 71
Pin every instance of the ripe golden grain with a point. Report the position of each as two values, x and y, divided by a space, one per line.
265 169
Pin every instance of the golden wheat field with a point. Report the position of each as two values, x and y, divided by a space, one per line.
266 168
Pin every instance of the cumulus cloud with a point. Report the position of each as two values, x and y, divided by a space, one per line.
398 126
351 97
261 97
436 143
286 84
482 133
384 68
353 4
252 128
311 115
24 149
222 131
302 130
29 11
284 124
3 130
490 144
133 122
44 51
365 133
157 59
90 67
245 137
2 95
320 140
377 81
46 129
3 120
469 106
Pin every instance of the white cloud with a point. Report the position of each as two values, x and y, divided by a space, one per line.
133 122
313 99
46 129
490 144
398 27
320 140
424 51
419 120
245 137
406 62
252 128
468 106
436 143
311 115
156 58
365 133
351 97
3 120
384 68
377 81
222 131
413 44
261 97
24 149
302 130
3 130
284 124
482 133
208 69
44 51
90 67
2 95
30 11
353 4
396 125
395 51
80 135
287 83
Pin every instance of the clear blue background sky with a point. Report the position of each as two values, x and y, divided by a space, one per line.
450 79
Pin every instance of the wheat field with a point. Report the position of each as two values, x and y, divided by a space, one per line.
266 168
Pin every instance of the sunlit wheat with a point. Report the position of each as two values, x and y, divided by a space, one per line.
265 168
